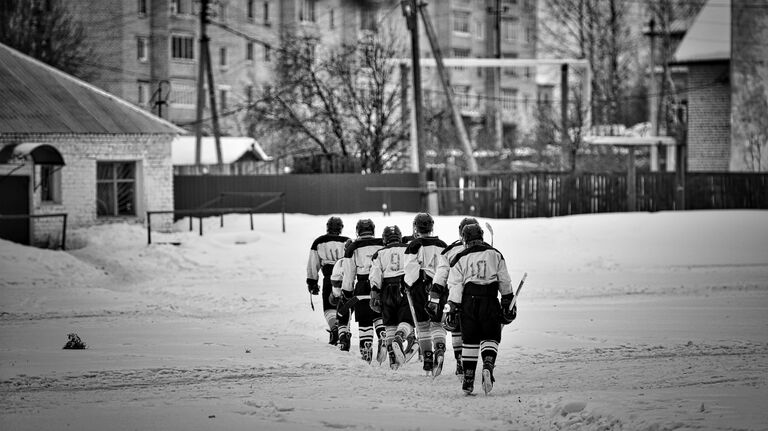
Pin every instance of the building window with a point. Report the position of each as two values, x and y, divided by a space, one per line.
142 7
183 94
249 51
223 99
307 11
115 188
331 20
183 47
222 11
510 28
368 19
223 56
460 53
249 93
50 184
266 13
143 92
461 22
530 35
508 99
480 29
142 49
249 7
267 51
175 6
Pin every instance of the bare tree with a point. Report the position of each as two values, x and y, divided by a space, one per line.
337 100
47 31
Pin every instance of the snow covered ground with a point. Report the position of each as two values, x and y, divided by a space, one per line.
627 321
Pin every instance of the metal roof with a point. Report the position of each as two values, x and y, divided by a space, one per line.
233 149
37 98
709 38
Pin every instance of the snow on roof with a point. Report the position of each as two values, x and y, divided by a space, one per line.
232 149
709 38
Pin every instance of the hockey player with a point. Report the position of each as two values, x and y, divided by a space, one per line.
337 275
356 266
420 265
325 251
438 294
387 286
477 275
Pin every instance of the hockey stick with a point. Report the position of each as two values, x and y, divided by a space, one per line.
517 293
490 230
311 304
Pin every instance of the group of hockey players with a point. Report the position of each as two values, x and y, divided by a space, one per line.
409 291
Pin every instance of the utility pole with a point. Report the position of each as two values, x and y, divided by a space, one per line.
494 8
410 11
652 91
569 155
445 81
204 65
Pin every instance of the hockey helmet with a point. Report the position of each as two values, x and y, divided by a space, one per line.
465 221
334 225
365 226
471 232
423 223
391 234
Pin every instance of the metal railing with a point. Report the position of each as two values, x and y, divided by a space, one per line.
63 243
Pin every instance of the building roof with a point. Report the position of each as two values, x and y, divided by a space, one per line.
37 98
709 38
233 149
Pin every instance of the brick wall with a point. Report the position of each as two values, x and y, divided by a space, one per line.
154 182
709 117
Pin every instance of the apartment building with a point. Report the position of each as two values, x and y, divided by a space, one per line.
467 29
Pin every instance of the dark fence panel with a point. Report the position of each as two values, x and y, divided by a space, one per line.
310 194
519 195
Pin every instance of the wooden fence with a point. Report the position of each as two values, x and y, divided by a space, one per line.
510 195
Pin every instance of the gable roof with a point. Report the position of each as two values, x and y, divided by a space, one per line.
709 38
38 98
233 149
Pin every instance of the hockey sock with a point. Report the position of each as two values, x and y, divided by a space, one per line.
437 332
469 357
390 335
456 343
425 338
366 338
405 328
330 317
488 350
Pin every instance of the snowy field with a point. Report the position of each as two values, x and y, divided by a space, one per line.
626 322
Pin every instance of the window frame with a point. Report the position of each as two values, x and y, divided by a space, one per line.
142 47
115 183
461 26
50 185
183 39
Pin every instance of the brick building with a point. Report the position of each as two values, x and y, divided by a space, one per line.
727 86
68 147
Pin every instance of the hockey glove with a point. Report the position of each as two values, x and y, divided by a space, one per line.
451 314
433 308
437 290
507 315
375 302
312 286
333 299
346 295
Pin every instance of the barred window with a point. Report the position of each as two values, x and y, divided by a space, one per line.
115 189
461 21
50 184
183 47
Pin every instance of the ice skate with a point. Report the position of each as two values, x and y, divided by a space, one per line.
381 352
397 349
468 383
488 375
429 358
437 366
392 359
459 367
333 335
344 341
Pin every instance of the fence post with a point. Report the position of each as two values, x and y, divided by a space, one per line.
250 214
200 224
64 233
282 201
149 227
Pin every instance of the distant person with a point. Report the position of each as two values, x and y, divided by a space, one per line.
476 277
438 294
356 266
325 251
386 276
420 264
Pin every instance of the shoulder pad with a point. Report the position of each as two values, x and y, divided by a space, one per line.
328 238
363 242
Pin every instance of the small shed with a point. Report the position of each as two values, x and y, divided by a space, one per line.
239 156
71 153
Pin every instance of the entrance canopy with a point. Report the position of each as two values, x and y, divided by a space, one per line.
40 154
